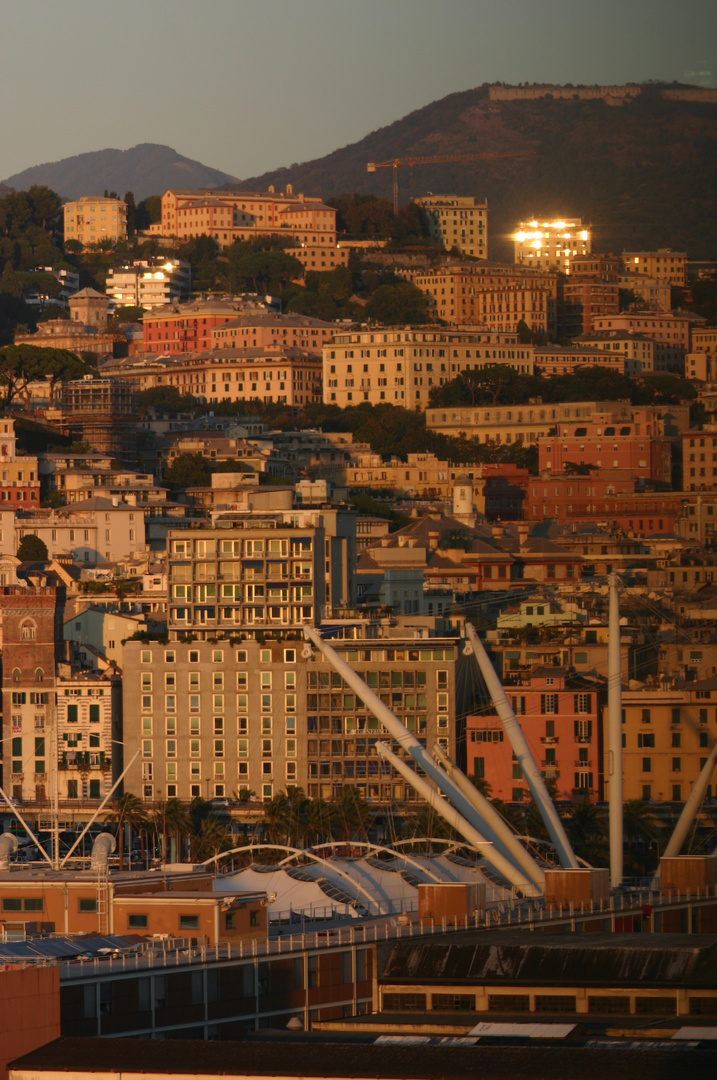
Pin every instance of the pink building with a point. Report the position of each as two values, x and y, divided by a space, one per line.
558 712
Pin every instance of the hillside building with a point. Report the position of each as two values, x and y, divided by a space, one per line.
399 366
664 264
551 245
19 478
228 216
92 219
149 284
518 423
457 221
491 295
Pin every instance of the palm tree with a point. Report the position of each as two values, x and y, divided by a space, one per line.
277 819
211 838
587 832
317 821
639 827
171 819
350 815
127 810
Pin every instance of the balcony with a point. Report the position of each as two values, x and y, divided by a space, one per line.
40 777
583 764
550 740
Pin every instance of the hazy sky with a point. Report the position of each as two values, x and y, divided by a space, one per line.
250 85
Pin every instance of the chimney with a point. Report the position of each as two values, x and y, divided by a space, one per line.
523 530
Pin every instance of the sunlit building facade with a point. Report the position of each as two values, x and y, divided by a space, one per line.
551 244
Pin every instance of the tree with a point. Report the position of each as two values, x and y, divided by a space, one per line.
32 549
46 204
350 815
399 304
262 270
127 810
165 397
188 470
147 212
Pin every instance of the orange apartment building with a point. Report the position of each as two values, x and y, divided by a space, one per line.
491 295
581 299
609 496
559 714
225 323
228 216
629 447
290 376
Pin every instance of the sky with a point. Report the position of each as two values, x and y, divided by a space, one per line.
247 86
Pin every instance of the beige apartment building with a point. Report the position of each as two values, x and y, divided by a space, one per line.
664 264
553 360
637 352
490 295
458 221
547 245
667 736
670 330
401 366
701 363
220 718
651 290
290 376
228 216
518 423
92 218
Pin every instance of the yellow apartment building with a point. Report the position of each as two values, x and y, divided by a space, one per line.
92 218
490 295
458 221
665 264
400 367
667 737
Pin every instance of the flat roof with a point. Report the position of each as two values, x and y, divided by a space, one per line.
407 1059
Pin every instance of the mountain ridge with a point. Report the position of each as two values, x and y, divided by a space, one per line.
643 173
145 169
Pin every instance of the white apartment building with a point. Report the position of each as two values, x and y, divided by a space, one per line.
258 573
548 244
458 221
400 366
149 284
88 721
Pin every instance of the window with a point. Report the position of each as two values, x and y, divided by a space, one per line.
86 903
137 921
188 922
647 764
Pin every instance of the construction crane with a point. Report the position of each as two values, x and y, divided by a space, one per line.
437 159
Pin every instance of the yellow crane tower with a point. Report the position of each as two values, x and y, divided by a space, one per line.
437 159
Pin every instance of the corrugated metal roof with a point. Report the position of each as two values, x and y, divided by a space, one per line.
589 959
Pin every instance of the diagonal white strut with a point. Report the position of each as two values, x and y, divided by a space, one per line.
522 751
490 815
457 822
418 752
